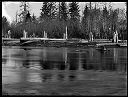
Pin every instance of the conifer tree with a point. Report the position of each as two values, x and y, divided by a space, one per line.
105 22
34 18
74 23
63 11
74 11
45 11
5 25
24 11
28 17
48 10
85 22
53 10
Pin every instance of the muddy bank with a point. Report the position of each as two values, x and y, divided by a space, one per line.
50 44
61 43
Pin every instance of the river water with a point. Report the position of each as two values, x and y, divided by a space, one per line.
51 64
58 59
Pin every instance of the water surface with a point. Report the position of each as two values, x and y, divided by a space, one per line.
53 64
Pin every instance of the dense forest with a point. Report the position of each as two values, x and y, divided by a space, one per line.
55 16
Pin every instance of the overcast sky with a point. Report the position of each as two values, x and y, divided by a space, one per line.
9 8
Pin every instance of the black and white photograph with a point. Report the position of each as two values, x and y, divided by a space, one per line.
64 48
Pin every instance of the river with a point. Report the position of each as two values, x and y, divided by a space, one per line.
52 64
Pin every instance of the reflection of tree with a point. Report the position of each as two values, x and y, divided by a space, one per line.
102 62
4 60
84 62
91 59
26 63
115 55
53 59
73 61
46 65
121 59
61 66
52 65
60 77
106 62
79 61
26 60
72 77
46 76
65 58
44 51
91 53
44 61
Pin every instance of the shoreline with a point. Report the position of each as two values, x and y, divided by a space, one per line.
36 42
65 44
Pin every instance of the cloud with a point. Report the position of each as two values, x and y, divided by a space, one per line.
7 3
4 12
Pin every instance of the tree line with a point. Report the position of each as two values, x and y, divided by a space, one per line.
53 20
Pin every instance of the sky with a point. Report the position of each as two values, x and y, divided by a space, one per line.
9 9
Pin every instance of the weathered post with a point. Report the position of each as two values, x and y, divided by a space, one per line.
116 37
91 36
9 34
66 36
25 34
44 34
44 37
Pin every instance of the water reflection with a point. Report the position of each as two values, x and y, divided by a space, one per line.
33 76
18 63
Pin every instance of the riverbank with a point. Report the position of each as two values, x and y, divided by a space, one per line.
62 43
94 83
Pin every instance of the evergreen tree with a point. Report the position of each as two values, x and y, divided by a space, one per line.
45 11
85 22
63 11
74 23
53 10
105 22
48 10
34 18
114 18
28 17
95 22
24 11
5 25
74 11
